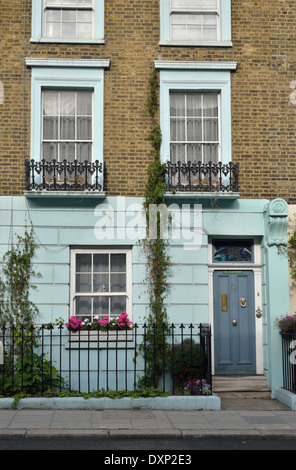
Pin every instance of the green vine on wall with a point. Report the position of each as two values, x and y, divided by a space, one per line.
17 268
156 249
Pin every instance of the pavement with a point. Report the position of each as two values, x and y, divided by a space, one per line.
238 418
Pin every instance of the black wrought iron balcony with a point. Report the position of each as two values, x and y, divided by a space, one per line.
202 177
64 176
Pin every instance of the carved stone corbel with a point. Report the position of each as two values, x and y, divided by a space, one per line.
277 223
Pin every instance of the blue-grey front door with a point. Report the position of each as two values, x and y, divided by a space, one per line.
234 322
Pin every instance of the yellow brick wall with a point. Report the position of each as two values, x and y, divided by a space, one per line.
263 118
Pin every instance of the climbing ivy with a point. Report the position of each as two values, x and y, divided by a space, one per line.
17 270
156 250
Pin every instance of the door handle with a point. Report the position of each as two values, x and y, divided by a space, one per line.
234 322
258 313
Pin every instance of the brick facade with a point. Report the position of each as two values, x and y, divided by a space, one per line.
263 117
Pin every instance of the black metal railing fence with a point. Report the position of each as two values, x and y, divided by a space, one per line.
41 358
289 360
202 177
65 175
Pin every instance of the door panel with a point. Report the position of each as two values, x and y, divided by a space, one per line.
234 322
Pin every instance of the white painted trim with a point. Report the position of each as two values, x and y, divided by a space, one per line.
85 63
196 44
195 65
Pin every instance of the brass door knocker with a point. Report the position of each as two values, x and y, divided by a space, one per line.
243 302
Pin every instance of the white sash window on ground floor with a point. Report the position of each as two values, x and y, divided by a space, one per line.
100 284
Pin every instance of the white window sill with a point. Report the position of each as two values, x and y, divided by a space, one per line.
42 193
202 195
68 41
196 44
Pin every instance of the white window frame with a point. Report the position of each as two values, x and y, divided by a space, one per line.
195 11
74 141
37 34
223 27
196 76
188 142
48 5
128 293
67 74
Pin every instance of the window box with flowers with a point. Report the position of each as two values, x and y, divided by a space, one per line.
114 329
286 324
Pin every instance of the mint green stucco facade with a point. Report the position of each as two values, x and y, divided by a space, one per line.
64 222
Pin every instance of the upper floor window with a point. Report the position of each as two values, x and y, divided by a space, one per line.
67 125
194 127
67 111
68 21
195 22
195 111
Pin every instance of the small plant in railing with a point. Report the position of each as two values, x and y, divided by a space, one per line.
197 387
119 323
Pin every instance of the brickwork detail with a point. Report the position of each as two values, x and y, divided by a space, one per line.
263 115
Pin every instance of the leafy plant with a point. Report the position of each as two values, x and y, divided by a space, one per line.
185 361
16 306
31 375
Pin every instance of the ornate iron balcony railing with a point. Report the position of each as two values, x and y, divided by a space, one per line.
64 176
202 177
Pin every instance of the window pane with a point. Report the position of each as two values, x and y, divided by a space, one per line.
101 307
194 129
194 104
211 129
83 306
67 128
101 283
118 282
84 152
50 151
101 263
50 128
50 103
67 103
178 130
83 283
83 263
177 153
177 103
84 103
69 30
118 305
66 151
118 262
84 128
69 16
194 153
210 153
210 103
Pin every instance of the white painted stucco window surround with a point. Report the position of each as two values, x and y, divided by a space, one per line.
195 23
70 21
195 110
67 108
101 283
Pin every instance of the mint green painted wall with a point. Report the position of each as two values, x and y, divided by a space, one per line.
60 223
